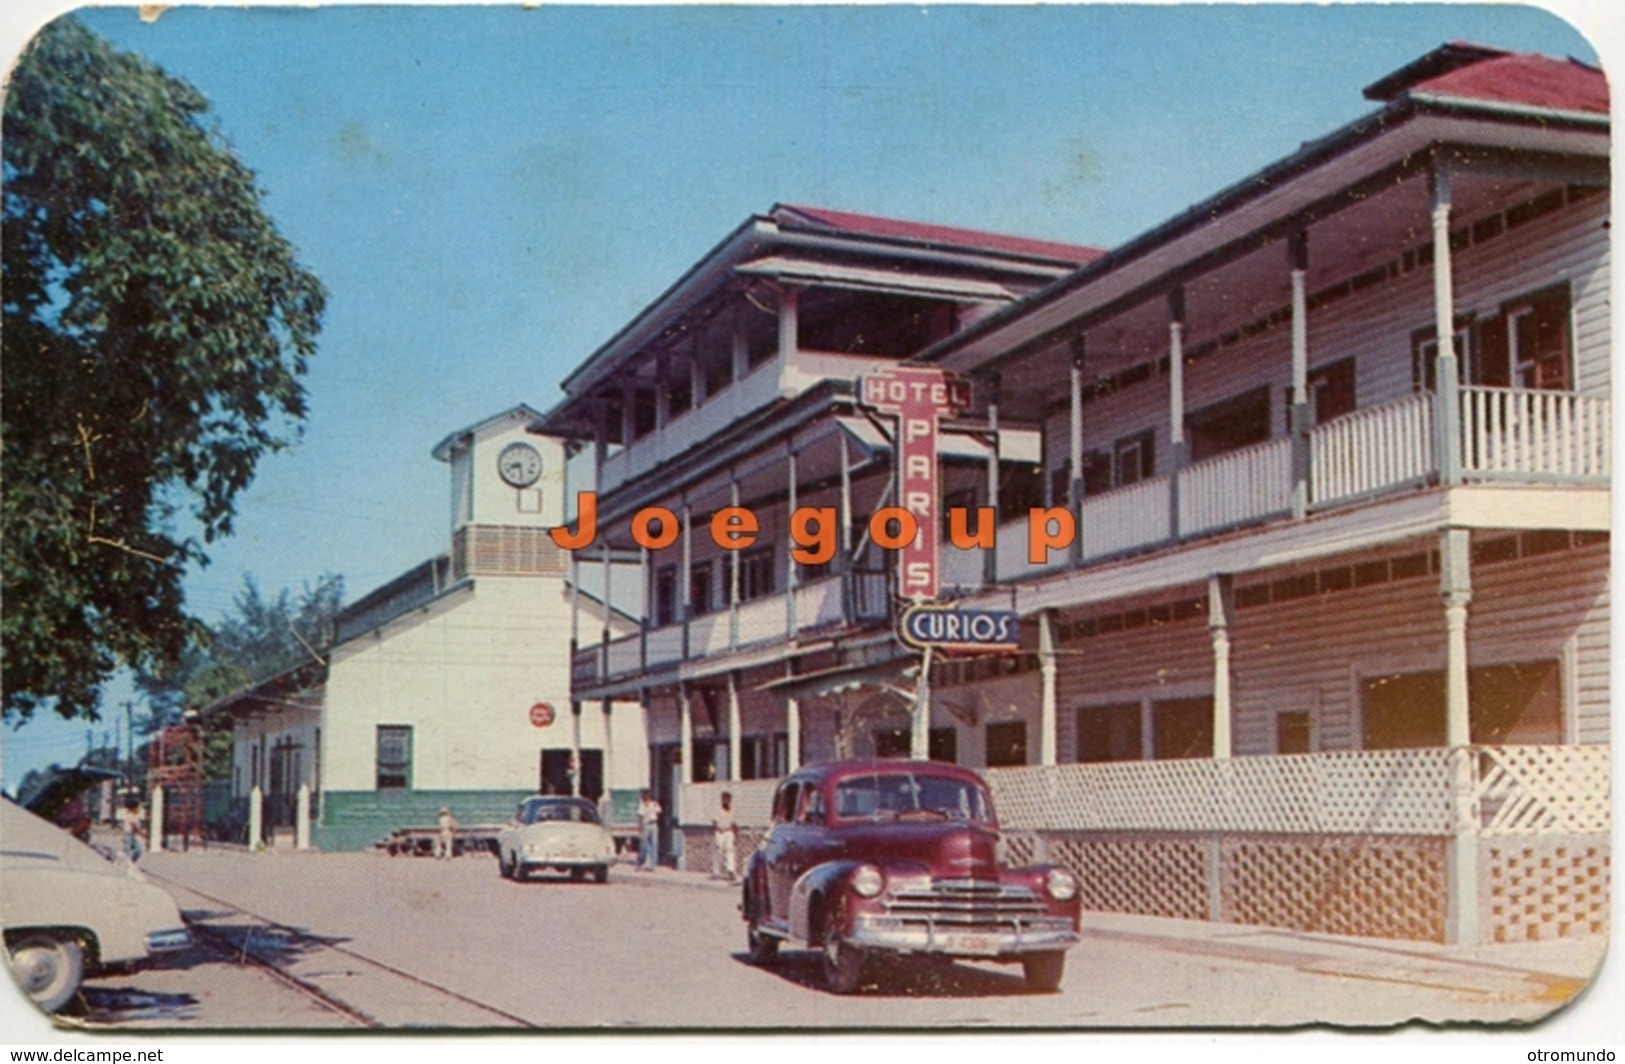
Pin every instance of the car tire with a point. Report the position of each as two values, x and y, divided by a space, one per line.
502 866
760 949
48 967
843 963
520 871
1044 971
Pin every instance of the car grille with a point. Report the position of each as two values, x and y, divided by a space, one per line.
965 901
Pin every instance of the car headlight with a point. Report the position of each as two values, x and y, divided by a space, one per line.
868 881
1061 884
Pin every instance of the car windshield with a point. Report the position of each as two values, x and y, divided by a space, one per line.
542 810
909 795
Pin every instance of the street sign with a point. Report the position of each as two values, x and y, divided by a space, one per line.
954 628
541 715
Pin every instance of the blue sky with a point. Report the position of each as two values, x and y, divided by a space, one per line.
490 193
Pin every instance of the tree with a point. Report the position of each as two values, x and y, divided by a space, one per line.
156 326
263 637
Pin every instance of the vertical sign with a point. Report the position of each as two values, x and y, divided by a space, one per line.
917 396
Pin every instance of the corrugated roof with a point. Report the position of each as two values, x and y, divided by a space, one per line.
1472 72
926 233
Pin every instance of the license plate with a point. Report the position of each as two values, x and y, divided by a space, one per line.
971 945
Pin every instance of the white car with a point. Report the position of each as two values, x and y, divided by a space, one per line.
563 834
67 909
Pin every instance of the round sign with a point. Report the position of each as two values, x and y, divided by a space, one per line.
541 714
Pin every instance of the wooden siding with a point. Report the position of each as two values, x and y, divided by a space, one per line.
1374 326
1311 653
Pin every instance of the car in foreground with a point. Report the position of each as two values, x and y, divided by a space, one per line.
898 858
68 910
562 834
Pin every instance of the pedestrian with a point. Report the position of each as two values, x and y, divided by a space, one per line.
725 835
445 845
649 823
131 818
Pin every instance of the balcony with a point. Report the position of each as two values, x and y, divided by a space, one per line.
819 607
1505 435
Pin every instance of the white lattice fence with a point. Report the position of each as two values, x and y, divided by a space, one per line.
1540 888
697 803
1386 792
1164 875
1388 887
1543 790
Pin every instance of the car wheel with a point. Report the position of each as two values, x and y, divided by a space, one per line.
502 865
762 949
843 963
601 873
521 872
48 968
578 874
1044 971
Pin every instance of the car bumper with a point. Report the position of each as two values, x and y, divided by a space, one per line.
1038 935
169 939
533 861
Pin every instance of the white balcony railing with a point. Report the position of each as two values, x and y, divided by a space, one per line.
1508 432
1232 489
1372 450
1127 518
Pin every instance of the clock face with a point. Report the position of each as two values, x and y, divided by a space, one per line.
519 465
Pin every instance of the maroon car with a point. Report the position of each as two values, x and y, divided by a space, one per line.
898 857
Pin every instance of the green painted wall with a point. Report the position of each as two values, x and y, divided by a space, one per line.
354 820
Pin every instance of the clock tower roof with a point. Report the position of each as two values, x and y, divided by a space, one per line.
522 414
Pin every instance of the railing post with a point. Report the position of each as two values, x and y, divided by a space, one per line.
1176 404
1461 859
1300 420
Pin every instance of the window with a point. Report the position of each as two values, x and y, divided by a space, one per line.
1425 355
1292 732
1331 391
944 745
764 757
1182 727
784 802
1233 423
700 589
679 395
665 596
1021 488
1514 704
1007 743
1134 458
1097 473
1537 331
394 757
1109 733
719 373
755 573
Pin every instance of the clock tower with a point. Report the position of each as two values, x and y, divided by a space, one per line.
507 490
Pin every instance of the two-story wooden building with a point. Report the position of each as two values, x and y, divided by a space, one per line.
1327 645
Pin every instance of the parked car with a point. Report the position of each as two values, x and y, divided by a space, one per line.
67 909
564 834
869 858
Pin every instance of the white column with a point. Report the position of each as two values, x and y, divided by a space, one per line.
1298 256
792 723
301 824
256 816
735 754
1047 699
575 749
990 558
609 740
919 738
1456 587
1220 616
1074 475
789 323
685 731
732 561
740 349
1447 414
790 574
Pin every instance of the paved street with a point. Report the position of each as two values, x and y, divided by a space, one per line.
415 942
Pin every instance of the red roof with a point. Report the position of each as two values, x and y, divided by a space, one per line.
872 225
1473 72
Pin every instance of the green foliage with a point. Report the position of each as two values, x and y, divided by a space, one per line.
261 638
156 326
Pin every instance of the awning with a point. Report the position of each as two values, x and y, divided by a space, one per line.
890 676
832 275
1015 445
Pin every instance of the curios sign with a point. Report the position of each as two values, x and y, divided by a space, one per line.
956 628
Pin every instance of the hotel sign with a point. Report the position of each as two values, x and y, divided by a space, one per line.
918 397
